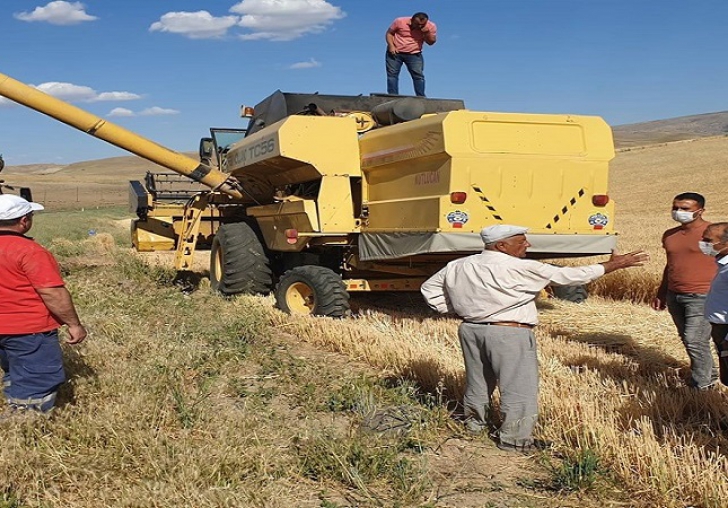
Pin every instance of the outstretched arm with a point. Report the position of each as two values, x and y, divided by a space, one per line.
619 261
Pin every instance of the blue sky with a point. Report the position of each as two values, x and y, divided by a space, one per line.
171 69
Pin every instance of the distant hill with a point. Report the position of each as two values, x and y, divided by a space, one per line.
115 168
671 129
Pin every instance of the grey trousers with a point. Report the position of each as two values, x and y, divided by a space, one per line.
506 357
687 311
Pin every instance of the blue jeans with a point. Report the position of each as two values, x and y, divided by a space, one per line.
687 311
33 369
415 65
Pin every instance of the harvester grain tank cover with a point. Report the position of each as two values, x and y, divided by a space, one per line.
280 105
398 110
383 246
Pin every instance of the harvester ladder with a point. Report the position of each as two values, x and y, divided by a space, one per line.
190 229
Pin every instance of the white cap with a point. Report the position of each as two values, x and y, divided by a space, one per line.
14 207
492 234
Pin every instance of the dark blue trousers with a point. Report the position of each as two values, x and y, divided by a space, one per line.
33 369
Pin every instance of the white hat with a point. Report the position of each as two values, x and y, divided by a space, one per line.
14 207
492 234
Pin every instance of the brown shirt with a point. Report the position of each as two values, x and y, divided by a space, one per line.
688 270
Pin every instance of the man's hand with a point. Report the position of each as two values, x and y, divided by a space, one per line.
659 303
77 334
391 50
619 261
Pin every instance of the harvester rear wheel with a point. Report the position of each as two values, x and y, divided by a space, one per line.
238 263
312 290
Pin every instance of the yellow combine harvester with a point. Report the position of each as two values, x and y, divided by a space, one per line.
323 195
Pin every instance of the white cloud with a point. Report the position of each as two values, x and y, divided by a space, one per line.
68 91
77 93
195 25
153 111
58 13
306 65
117 96
284 20
157 111
120 112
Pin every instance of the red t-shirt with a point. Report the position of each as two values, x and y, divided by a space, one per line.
688 269
25 266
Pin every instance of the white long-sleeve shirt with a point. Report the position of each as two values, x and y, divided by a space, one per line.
716 304
493 286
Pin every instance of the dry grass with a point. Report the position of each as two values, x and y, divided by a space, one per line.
190 399
612 371
167 406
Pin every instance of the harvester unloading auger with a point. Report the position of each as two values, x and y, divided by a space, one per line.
326 195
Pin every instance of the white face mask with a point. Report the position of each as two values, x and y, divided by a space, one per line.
708 248
682 216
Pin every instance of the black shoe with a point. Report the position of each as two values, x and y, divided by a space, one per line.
537 445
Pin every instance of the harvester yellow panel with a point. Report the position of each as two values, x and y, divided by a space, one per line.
275 219
319 151
298 149
539 171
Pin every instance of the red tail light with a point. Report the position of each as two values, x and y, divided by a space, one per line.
458 198
600 199
291 236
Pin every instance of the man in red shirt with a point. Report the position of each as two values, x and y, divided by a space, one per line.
685 284
405 38
33 304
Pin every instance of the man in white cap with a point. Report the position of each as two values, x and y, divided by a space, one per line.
34 303
494 292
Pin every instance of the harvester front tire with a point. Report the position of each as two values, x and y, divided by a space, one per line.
576 294
312 290
238 263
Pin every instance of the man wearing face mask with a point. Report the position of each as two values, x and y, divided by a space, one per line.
714 243
685 284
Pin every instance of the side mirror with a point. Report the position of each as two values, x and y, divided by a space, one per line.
207 149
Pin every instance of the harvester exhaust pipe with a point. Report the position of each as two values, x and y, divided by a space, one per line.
398 111
117 136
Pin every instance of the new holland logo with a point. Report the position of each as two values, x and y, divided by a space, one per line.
598 220
457 218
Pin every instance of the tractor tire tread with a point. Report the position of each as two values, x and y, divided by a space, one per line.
331 296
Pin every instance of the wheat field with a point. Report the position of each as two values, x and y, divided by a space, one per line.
185 399
612 368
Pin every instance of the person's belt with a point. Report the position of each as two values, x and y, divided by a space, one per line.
506 323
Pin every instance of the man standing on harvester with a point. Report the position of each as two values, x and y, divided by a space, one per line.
405 38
